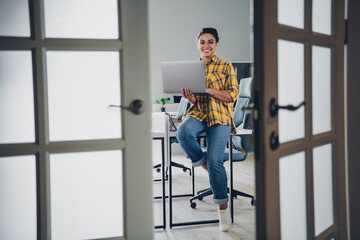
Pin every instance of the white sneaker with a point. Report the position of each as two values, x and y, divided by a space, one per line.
224 219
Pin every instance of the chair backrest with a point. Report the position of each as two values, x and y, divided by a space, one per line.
244 99
183 106
241 118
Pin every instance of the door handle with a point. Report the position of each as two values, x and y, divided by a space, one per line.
136 107
274 107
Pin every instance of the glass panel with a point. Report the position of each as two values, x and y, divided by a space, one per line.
16 97
14 18
323 188
291 13
86 195
81 87
321 89
291 90
293 196
71 19
18 197
321 16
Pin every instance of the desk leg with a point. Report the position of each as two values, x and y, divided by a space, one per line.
170 189
231 179
177 224
193 180
163 184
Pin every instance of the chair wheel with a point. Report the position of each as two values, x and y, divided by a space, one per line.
158 170
200 198
193 205
253 202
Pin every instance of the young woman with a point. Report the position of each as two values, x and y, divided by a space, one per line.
211 113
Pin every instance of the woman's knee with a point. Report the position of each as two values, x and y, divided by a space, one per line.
184 132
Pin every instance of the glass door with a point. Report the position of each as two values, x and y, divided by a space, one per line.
299 82
69 163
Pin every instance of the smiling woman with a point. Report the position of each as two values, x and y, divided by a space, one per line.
211 113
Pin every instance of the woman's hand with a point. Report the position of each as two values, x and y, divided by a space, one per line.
188 95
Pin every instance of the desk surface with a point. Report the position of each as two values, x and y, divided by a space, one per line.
161 122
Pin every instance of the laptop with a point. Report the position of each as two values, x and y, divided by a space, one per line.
183 74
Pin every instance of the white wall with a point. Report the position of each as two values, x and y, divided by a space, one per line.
174 25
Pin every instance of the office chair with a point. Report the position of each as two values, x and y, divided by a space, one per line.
242 121
183 106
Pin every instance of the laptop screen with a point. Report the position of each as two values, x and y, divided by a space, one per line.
183 74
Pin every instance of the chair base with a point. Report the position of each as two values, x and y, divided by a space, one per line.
173 164
207 192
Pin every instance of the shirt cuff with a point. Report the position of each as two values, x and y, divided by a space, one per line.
233 94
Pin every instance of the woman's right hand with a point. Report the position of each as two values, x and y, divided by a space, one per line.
188 95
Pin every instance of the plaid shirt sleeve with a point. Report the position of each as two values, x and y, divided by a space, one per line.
231 84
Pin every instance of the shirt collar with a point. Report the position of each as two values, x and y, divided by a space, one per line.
213 59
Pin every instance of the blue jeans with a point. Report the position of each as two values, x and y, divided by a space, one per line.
217 136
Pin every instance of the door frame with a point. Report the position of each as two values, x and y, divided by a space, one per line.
138 196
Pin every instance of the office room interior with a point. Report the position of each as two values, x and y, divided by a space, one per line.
173 27
75 165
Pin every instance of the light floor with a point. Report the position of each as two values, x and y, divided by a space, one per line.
244 212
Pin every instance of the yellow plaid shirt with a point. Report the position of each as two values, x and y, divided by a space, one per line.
220 75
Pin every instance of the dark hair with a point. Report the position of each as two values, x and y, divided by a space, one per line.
210 30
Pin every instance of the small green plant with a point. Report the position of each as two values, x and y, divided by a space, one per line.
162 101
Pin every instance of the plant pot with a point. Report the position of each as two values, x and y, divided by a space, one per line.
163 109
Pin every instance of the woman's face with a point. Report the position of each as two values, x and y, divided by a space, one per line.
207 45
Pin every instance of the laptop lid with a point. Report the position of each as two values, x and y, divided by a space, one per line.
183 74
